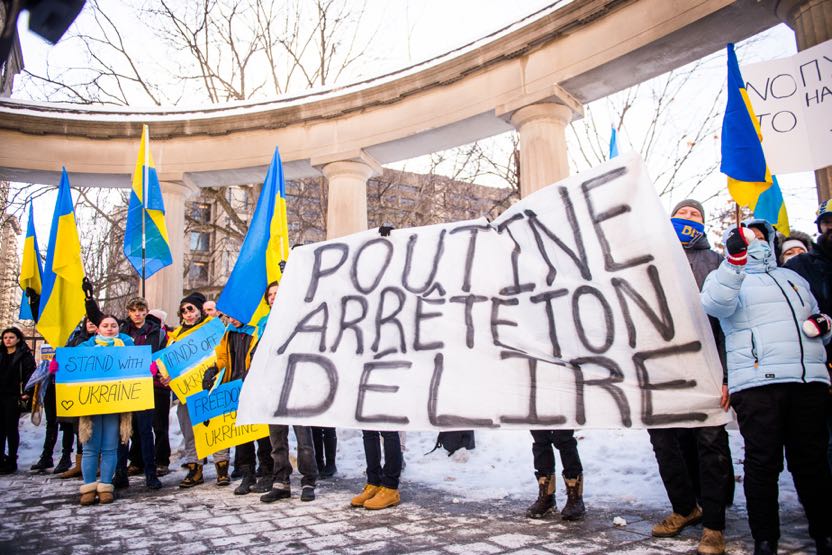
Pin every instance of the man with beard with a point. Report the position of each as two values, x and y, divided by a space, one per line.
816 268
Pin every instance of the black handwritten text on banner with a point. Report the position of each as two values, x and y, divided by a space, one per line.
575 308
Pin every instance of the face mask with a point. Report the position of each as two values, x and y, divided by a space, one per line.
759 250
687 230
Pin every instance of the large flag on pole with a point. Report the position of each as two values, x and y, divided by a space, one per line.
31 272
146 235
750 182
613 143
265 246
62 299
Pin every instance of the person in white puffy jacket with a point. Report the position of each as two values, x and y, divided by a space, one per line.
777 379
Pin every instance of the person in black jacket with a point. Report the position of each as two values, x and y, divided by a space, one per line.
16 366
695 463
143 329
816 268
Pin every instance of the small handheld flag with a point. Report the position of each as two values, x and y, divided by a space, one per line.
613 143
31 272
62 298
750 182
146 243
265 246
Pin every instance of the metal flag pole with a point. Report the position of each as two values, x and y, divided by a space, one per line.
145 173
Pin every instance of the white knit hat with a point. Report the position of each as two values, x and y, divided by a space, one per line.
792 243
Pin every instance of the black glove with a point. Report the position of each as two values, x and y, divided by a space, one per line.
208 378
737 246
817 325
282 265
385 230
86 285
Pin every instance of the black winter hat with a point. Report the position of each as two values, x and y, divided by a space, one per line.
196 298
691 203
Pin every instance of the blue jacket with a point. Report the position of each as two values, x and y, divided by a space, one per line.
761 309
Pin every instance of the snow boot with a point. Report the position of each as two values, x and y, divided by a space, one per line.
765 547
545 504
194 477
383 499
307 493
9 465
105 493
75 471
282 491
264 483
675 523
824 545
330 447
63 464
43 463
712 542
366 494
574 508
151 480
88 494
247 482
236 473
120 479
223 479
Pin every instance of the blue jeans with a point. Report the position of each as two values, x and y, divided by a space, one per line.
104 442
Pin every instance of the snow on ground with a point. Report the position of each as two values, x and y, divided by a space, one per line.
619 466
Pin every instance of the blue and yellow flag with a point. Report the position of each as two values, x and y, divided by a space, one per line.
613 143
146 216
265 246
750 182
62 299
31 270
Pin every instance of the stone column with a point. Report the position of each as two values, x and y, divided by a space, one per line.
347 200
811 21
164 288
542 130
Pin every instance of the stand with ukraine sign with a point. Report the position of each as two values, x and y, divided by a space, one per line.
92 380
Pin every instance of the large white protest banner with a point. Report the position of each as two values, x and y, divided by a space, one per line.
575 308
792 98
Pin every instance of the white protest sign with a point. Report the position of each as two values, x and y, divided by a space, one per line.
792 98
575 308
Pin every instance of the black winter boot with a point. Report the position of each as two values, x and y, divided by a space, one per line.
64 464
248 481
545 503
223 479
43 463
824 545
574 508
120 479
330 446
765 547
264 483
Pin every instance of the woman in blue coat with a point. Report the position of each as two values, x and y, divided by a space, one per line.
777 378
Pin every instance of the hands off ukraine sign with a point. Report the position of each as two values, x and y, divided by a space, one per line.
96 380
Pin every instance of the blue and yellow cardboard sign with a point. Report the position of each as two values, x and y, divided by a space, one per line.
97 380
185 361
214 420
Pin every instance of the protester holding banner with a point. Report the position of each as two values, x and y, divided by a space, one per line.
193 318
777 378
695 463
816 268
233 360
16 366
101 434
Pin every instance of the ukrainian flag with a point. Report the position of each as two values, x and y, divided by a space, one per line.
62 299
31 271
750 182
265 246
613 143
146 216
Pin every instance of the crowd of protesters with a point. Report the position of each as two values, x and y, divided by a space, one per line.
768 300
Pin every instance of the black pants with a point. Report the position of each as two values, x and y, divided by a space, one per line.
161 425
713 463
143 427
544 456
790 416
9 433
388 476
279 437
319 436
244 454
53 426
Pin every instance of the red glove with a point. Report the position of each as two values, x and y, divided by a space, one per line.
154 368
53 366
817 325
737 246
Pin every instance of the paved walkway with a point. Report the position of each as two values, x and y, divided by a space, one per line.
40 514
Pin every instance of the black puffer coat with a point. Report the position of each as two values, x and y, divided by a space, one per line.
816 268
15 369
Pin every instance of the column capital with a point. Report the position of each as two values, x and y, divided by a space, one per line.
543 111
348 161
186 188
551 95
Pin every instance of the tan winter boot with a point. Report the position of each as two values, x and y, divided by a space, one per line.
223 479
384 498
88 494
105 493
194 477
545 503
574 508
75 471
675 523
712 542
366 494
